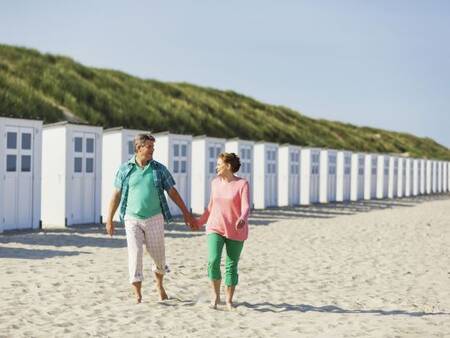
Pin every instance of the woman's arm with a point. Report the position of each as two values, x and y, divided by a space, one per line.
245 206
204 218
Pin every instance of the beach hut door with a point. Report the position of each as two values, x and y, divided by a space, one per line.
315 178
17 194
294 184
271 178
361 177
180 173
332 177
83 179
373 179
214 150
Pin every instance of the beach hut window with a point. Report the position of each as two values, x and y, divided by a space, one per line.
183 166
11 140
211 152
176 150
78 145
130 148
26 163
78 164
89 165
183 150
176 166
89 145
374 166
11 163
26 141
212 168
361 166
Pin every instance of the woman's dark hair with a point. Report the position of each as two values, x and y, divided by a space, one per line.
232 159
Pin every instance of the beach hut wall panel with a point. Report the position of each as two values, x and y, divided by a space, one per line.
401 177
309 176
445 177
328 177
415 181
428 178
288 175
205 151
357 185
382 176
117 148
343 175
408 177
265 175
393 177
423 176
20 173
368 176
433 177
71 174
439 176
174 151
245 151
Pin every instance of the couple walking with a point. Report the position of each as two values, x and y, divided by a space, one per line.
139 190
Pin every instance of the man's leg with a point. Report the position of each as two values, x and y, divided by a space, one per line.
135 239
154 242
234 249
215 244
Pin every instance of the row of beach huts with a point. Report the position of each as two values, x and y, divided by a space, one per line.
62 174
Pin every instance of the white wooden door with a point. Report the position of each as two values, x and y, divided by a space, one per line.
347 177
386 178
315 178
419 177
361 162
180 173
245 155
213 152
83 179
411 178
373 178
331 178
294 179
271 178
404 178
17 195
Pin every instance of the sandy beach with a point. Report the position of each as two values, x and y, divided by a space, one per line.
368 269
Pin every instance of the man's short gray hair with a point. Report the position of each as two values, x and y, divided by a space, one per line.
140 139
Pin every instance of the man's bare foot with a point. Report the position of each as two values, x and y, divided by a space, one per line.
138 299
162 293
214 302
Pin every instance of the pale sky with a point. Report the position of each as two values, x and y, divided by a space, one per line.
383 64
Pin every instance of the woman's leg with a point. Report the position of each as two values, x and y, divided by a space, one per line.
215 245
234 249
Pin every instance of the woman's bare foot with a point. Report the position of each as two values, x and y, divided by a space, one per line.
162 293
214 302
138 299
230 306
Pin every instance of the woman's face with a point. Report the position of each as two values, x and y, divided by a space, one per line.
222 168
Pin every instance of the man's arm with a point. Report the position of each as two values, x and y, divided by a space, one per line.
176 198
113 205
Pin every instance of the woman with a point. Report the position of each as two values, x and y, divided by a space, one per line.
227 225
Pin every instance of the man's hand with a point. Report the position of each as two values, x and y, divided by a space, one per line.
239 224
190 221
110 228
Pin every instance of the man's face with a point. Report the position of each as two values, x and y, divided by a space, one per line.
145 151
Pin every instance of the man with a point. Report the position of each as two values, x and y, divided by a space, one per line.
139 187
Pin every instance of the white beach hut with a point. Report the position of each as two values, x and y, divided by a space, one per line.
343 176
20 173
244 149
382 176
174 151
265 175
71 174
358 171
288 175
117 148
205 151
328 177
310 176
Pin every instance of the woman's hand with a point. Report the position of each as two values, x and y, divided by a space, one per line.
239 224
